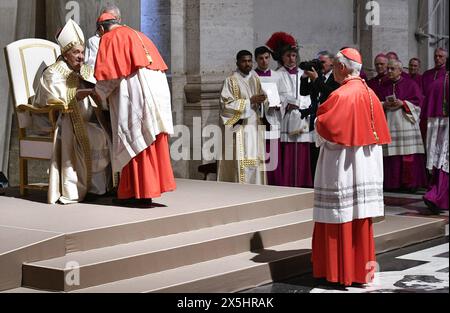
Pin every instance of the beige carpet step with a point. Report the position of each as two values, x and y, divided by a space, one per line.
194 205
168 221
228 274
248 270
26 290
100 266
398 231
25 245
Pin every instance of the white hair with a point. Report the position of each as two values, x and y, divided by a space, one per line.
353 67
442 50
111 7
396 63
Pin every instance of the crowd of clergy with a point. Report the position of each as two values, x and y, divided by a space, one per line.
324 124
415 106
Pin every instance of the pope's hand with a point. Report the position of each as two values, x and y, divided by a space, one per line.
291 107
83 93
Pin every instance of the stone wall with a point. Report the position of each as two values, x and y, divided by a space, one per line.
215 32
13 14
58 11
200 38
317 25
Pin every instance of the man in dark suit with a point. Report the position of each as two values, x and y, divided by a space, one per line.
323 83
321 87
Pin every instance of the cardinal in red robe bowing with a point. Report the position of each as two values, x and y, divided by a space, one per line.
351 129
130 75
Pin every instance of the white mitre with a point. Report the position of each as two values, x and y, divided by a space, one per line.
70 36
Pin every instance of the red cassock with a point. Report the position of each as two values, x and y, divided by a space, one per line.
121 53
345 253
149 174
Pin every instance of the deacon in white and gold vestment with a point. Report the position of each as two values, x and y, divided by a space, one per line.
243 158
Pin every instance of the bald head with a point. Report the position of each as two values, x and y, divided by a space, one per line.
381 62
392 56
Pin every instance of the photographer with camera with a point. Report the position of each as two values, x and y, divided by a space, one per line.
320 72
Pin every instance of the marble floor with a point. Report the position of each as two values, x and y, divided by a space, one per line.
421 268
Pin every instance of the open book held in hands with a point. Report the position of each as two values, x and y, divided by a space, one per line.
271 90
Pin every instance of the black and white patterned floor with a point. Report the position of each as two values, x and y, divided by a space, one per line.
421 268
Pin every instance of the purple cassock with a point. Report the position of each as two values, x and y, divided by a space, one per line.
418 79
363 75
430 76
377 82
296 165
435 114
404 171
274 177
434 104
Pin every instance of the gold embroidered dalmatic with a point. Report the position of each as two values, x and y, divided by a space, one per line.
243 157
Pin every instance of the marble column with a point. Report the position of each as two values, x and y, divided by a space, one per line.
163 22
177 75
394 32
215 32
19 19
86 12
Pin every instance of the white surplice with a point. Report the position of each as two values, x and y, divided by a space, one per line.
272 114
140 107
348 183
289 88
405 131
90 54
437 143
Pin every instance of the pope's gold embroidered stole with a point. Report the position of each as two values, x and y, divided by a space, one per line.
79 128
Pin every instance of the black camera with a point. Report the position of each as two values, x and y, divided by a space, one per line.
309 65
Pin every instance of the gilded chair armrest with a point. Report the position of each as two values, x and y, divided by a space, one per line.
42 110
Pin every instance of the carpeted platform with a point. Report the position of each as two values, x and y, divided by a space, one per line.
204 237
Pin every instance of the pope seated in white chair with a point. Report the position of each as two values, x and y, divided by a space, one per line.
81 157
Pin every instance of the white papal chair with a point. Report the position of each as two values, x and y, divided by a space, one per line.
26 59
